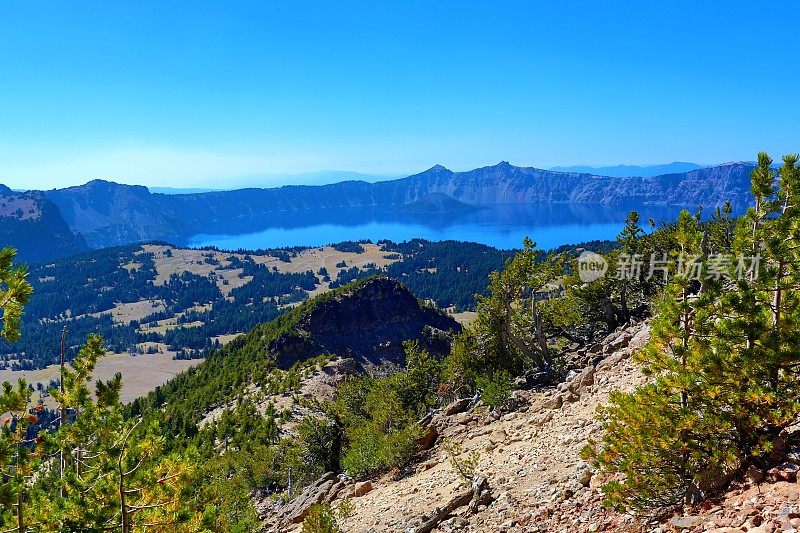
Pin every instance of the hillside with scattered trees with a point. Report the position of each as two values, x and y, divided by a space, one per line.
293 422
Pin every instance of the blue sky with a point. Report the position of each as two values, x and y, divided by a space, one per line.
220 94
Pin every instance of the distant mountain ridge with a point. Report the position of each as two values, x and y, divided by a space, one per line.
107 214
630 171
323 177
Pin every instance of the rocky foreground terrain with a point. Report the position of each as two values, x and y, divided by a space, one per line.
529 474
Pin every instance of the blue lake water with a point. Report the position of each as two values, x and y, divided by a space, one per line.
499 225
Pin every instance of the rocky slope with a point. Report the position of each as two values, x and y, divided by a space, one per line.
534 478
108 213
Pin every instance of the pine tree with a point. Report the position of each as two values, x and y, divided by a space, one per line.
724 356
630 240
14 293
114 477
511 329
688 447
18 452
756 349
119 476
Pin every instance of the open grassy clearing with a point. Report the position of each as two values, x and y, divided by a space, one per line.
125 313
166 324
140 373
170 260
225 339
326 256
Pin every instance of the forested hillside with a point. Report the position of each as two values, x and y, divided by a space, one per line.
276 428
159 298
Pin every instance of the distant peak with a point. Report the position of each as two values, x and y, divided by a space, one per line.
95 183
435 171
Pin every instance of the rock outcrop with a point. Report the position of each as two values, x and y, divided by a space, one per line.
368 324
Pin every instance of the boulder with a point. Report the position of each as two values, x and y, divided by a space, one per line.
334 491
582 380
362 488
620 342
571 397
686 522
458 406
784 472
428 438
611 360
296 510
498 437
585 477
521 397
553 402
543 418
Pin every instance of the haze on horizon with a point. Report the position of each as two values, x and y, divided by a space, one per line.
223 96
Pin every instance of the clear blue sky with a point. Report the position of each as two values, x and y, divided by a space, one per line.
219 93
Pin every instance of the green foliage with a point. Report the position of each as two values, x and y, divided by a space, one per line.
723 355
243 427
323 518
495 389
447 272
465 465
97 471
379 429
510 329
417 385
14 294
91 472
372 450
379 415
666 453
322 442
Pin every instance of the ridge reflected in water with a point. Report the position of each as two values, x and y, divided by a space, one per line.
499 225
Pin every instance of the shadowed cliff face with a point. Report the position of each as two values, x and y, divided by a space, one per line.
369 324
33 225
108 213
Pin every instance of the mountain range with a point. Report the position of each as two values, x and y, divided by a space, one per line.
102 213
630 171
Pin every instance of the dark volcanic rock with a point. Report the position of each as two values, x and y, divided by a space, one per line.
369 323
